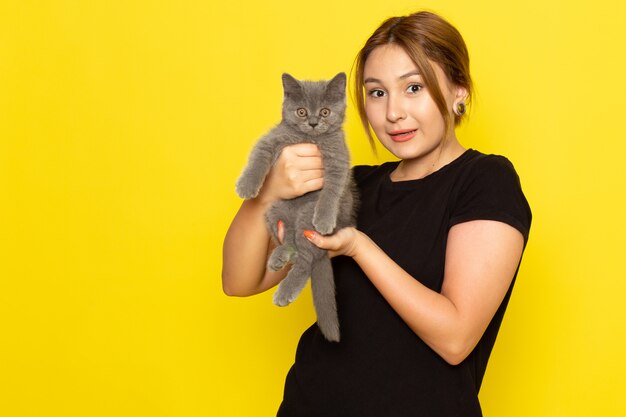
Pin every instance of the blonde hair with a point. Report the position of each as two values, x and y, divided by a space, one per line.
424 36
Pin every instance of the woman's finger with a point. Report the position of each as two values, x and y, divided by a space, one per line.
280 231
312 174
322 242
306 163
309 159
342 242
313 184
297 171
304 149
306 181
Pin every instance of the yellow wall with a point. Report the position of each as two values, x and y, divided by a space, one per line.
124 125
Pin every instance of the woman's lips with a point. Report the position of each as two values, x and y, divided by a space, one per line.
402 135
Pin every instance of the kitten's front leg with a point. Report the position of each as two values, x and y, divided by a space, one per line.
325 215
336 176
251 180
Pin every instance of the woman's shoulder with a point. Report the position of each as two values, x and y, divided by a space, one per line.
487 163
488 187
485 169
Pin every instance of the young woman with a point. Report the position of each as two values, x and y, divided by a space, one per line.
424 279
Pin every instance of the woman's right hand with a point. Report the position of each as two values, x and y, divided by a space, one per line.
297 171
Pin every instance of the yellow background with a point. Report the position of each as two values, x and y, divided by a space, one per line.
124 125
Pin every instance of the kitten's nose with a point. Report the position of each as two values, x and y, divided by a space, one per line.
313 124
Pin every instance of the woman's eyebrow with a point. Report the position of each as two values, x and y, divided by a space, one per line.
409 74
402 77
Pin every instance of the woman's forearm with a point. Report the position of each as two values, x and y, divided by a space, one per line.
481 259
429 314
245 252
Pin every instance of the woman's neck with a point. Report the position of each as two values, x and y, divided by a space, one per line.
413 169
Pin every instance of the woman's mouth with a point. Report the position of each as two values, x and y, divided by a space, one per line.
402 135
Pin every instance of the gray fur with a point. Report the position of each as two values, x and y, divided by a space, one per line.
325 210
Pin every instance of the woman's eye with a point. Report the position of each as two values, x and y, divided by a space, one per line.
324 112
376 93
414 88
301 112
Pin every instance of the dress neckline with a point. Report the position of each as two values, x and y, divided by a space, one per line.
412 183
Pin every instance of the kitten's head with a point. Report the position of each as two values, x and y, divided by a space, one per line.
314 107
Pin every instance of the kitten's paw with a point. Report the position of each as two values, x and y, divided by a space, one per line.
324 226
246 189
276 264
324 218
281 299
280 257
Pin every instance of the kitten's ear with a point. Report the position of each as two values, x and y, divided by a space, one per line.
291 86
336 88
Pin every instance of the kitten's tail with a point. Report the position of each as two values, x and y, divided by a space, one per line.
323 288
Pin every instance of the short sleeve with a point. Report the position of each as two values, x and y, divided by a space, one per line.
491 190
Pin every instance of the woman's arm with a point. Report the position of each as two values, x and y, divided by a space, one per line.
481 259
247 245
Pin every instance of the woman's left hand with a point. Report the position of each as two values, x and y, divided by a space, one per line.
342 242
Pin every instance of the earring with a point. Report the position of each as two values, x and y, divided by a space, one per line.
460 108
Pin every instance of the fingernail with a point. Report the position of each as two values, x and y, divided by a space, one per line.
309 234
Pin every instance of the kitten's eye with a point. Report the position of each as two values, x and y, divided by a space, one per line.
414 88
325 112
301 112
376 93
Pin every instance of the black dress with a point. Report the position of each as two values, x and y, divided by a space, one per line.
381 368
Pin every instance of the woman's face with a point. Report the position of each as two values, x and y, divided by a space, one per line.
399 107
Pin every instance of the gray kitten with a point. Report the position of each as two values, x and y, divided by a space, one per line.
313 112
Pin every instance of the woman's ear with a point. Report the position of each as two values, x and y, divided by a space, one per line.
459 107
461 94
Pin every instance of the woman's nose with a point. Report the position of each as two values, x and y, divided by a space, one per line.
395 109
